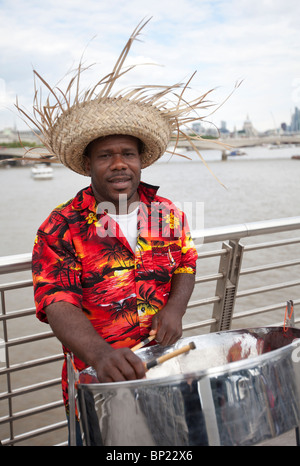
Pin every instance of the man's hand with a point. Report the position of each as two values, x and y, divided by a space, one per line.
167 323
76 333
117 365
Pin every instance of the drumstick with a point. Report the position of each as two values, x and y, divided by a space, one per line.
165 357
143 343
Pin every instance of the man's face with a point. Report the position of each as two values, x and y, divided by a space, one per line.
114 165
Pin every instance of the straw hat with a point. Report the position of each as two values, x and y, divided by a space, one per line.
87 121
151 113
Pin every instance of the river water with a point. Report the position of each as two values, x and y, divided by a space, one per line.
263 184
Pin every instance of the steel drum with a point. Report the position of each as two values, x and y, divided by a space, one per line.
238 387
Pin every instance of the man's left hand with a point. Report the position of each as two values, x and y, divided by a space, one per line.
167 325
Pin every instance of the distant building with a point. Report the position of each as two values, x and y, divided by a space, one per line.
196 127
8 135
295 121
248 129
284 127
223 129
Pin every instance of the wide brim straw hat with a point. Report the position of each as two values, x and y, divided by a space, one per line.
88 121
69 120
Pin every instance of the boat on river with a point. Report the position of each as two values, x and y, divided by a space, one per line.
237 152
42 171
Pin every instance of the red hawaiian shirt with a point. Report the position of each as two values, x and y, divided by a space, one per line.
81 257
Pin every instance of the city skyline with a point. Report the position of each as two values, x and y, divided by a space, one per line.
249 129
225 41
10 134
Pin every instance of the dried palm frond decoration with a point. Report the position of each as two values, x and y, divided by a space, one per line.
69 120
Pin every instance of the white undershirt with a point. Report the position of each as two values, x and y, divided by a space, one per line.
128 225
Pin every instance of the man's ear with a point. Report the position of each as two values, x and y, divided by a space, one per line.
87 165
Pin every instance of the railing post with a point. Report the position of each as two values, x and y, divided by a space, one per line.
7 363
72 379
226 288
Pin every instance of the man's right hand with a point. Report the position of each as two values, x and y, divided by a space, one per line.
76 333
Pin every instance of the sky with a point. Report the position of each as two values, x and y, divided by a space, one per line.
224 41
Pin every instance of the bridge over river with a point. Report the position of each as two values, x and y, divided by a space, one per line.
241 142
229 143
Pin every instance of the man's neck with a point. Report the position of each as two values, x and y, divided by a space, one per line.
123 207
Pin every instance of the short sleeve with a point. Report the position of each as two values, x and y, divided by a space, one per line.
189 253
56 268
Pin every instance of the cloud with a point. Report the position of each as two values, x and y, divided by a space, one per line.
224 40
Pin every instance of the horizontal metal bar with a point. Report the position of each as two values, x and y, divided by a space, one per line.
203 302
277 324
32 363
209 278
30 388
271 244
34 433
16 285
262 310
20 263
61 444
209 254
258 310
32 411
243 230
17 314
264 268
263 289
202 323
29 339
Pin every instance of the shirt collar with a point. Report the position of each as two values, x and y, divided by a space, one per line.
147 192
85 199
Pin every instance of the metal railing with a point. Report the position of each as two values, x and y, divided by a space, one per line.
237 270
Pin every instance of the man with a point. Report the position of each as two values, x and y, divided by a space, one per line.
108 300
103 289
